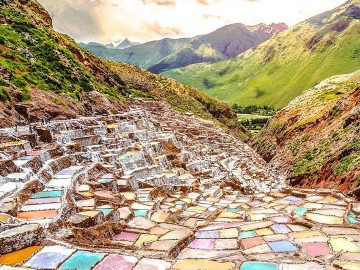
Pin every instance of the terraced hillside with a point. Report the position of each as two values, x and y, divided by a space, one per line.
156 189
281 68
315 139
45 74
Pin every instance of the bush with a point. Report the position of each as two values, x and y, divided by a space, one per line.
59 102
3 82
25 94
4 95
86 85
2 40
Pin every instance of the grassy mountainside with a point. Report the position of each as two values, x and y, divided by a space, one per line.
46 74
316 137
166 54
282 67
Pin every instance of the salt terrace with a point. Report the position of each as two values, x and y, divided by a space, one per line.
155 189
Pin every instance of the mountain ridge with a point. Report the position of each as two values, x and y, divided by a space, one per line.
164 54
117 45
279 69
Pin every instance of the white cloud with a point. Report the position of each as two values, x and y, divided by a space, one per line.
143 20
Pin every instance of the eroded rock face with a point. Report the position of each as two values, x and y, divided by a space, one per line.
42 17
20 237
7 166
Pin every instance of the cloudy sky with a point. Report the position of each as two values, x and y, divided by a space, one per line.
143 20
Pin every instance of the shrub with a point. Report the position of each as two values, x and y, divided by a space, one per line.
59 102
25 94
4 95
2 40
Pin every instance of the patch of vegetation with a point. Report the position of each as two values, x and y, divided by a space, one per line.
3 82
223 71
356 53
269 55
75 95
354 146
345 164
313 159
207 83
294 146
254 124
134 93
4 95
15 17
329 95
254 109
59 102
335 112
259 93
25 94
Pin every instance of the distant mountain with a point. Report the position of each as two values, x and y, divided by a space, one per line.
315 138
281 68
166 54
105 51
121 44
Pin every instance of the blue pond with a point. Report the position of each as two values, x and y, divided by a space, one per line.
258 266
82 260
282 246
249 234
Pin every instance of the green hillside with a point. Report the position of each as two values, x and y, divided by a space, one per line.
48 75
281 68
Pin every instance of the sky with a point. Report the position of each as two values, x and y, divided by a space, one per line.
107 21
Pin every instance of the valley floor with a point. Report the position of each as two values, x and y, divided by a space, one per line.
153 189
253 122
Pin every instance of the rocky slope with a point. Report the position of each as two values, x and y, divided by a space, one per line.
315 139
281 68
166 54
46 74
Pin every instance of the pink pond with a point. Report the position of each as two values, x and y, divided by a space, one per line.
35 153
282 219
316 249
222 226
115 261
126 236
203 244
